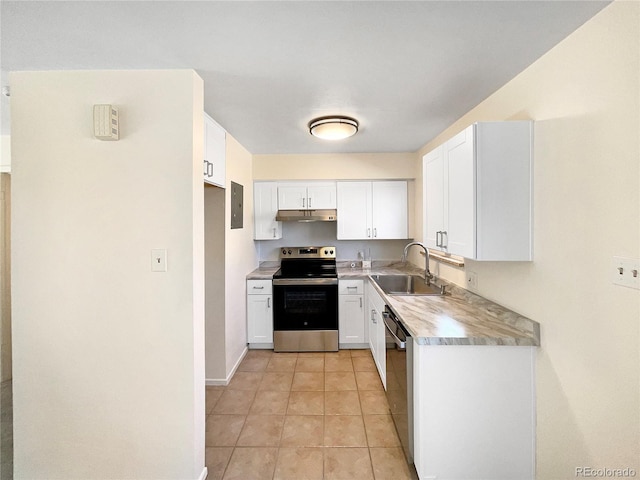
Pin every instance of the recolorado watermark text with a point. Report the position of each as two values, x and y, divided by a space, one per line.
591 472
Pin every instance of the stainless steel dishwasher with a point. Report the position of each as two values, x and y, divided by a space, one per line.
399 354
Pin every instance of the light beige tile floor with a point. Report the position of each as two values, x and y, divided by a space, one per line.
295 416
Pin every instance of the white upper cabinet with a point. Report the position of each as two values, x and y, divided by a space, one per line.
478 192
389 210
354 210
433 165
214 167
307 195
265 209
372 210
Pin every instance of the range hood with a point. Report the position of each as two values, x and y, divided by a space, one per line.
306 215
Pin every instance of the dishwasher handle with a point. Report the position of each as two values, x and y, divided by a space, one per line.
402 344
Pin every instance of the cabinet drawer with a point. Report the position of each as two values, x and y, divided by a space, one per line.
351 287
258 287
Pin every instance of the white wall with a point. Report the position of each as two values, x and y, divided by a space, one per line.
108 356
584 97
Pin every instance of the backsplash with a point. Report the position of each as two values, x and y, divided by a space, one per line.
296 234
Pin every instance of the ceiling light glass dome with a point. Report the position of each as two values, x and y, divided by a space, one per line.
333 128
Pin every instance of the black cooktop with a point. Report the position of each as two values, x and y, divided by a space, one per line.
307 268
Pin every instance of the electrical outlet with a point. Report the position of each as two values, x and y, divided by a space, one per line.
472 280
626 272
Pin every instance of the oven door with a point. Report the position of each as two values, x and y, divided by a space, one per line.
305 304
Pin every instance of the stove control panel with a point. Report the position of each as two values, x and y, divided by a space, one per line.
308 252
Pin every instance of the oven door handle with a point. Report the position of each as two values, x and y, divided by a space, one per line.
399 343
305 281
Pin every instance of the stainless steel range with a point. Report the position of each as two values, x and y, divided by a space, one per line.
305 300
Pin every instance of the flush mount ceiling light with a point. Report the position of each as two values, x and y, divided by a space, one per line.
333 128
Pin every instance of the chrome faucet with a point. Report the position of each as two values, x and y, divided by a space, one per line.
427 274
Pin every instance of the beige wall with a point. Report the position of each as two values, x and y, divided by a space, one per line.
336 166
108 380
5 276
214 208
240 253
331 166
5 153
230 256
584 97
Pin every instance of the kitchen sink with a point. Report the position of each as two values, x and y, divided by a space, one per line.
407 285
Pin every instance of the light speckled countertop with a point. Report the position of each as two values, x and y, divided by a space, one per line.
459 318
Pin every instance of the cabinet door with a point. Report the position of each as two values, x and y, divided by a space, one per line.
375 307
370 319
351 318
265 199
381 353
460 194
354 210
259 319
433 167
214 152
389 210
292 197
321 197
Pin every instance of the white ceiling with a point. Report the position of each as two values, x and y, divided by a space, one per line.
405 70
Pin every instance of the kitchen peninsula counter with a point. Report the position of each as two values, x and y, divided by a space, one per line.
458 318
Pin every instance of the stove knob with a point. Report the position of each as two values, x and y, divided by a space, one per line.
289 252
284 252
326 252
331 252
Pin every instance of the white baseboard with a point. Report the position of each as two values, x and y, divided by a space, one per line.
204 474
225 381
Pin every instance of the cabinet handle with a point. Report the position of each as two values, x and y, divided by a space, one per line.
437 239
269 302
368 232
373 316
210 173
360 302
205 168
258 288
351 288
309 202
274 232
442 241
375 232
303 200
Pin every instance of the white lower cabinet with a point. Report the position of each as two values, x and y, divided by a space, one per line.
352 328
474 411
375 307
259 314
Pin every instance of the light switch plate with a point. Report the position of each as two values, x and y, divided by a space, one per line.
159 260
626 272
